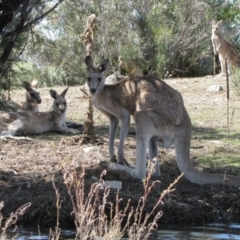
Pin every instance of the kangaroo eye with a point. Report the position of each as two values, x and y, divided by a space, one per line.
99 79
88 79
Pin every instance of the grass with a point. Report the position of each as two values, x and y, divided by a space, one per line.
236 81
216 128
207 110
215 152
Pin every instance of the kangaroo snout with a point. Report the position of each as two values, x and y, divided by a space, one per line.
62 108
39 101
93 90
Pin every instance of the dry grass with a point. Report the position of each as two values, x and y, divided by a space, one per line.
96 217
5 224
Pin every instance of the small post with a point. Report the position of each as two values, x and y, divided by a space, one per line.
227 89
214 65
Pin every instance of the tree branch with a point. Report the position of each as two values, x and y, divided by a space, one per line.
23 25
33 22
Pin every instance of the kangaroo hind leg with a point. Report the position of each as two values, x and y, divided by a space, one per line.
15 128
124 122
143 136
153 155
114 122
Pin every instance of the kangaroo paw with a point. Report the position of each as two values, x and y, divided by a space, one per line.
126 163
113 159
123 162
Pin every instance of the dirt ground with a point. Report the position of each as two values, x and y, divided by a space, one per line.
27 167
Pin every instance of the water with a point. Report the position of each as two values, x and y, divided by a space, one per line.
209 232
213 231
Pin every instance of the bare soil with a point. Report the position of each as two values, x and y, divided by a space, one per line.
27 167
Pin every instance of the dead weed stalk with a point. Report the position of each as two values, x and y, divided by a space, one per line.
89 123
11 220
55 234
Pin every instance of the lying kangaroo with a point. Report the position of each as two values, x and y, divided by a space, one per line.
32 99
224 48
25 122
159 113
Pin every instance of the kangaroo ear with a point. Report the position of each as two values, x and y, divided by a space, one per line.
53 93
213 22
218 23
64 92
26 85
89 63
104 65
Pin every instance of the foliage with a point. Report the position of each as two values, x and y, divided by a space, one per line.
229 12
158 36
16 21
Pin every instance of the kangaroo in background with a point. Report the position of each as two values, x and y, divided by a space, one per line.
158 112
26 123
223 48
32 99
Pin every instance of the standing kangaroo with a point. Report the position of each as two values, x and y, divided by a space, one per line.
158 112
223 48
26 123
32 99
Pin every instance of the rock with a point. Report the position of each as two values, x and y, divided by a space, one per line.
204 66
215 88
88 149
112 184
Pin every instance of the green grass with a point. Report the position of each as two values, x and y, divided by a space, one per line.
214 151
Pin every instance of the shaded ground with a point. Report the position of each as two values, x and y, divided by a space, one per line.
27 167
